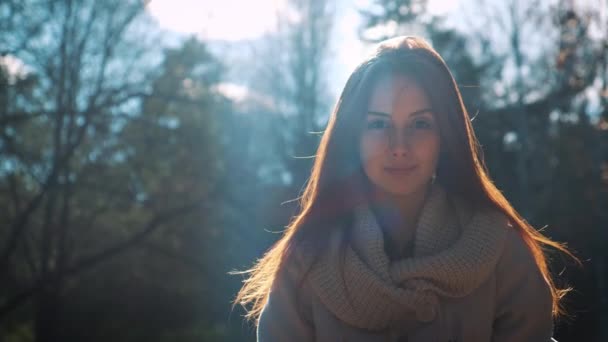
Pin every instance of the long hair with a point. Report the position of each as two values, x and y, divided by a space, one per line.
332 189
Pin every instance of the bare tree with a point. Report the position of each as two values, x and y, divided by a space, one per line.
292 73
89 64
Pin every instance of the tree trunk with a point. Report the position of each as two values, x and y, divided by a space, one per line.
47 324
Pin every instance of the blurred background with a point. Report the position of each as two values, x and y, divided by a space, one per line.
147 149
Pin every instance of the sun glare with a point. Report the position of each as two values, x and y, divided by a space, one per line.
239 19
235 20
217 19
442 7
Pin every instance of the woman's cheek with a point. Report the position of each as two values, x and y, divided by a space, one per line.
371 148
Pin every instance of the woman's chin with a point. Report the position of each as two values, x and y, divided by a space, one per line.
402 190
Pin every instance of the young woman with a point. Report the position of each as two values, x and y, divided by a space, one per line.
402 236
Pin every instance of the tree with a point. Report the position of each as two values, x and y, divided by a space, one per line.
295 81
86 177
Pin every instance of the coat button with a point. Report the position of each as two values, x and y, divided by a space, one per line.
425 313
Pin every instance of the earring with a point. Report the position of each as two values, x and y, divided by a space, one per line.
433 177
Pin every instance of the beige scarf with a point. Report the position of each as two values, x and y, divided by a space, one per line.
455 250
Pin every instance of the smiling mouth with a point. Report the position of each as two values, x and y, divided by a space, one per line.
399 170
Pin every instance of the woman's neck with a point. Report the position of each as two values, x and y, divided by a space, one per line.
398 216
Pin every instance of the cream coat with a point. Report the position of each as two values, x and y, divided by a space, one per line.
513 303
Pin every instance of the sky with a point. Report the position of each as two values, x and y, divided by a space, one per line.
239 20
217 19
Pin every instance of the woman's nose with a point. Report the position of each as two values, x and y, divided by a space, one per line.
399 144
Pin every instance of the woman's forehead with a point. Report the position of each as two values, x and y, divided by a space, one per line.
396 93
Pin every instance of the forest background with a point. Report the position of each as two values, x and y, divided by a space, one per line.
139 166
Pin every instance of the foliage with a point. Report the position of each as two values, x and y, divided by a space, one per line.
110 174
130 184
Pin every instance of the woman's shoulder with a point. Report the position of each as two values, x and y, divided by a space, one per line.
517 267
298 261
309 248
517 255
524 301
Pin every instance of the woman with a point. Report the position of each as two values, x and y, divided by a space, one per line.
402 236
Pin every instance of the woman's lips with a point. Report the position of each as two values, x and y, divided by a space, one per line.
399 170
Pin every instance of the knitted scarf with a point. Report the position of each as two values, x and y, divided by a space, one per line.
455 251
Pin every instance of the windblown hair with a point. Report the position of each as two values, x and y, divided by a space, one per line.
332 189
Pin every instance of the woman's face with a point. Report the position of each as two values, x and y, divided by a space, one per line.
400 138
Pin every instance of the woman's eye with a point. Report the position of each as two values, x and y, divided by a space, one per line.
422 124
377 124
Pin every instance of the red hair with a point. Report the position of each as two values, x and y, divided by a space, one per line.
331 191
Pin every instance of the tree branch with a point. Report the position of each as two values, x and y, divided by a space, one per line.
87 263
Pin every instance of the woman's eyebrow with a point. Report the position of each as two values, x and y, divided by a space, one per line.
371 112
418 112
422 111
